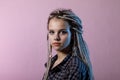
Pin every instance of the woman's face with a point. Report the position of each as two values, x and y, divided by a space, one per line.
59 34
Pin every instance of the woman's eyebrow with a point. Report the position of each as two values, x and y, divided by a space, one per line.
62 29
58 30
50 30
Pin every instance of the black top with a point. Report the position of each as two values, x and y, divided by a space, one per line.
71 68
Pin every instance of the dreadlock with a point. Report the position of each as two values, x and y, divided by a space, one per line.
79 47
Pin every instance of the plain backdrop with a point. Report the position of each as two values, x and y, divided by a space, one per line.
23 41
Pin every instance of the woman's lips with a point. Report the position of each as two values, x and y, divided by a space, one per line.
56 44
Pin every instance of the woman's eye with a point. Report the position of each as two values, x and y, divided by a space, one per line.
63 32
51 32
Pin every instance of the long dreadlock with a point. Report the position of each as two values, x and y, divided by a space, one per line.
79 47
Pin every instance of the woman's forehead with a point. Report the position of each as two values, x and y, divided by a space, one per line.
58 23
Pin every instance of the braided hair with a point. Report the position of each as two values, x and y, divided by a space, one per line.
78 45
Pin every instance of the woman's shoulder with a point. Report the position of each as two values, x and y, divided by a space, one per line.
77 64
75 60
78 69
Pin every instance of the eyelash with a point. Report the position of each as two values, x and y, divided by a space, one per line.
61 32
51 32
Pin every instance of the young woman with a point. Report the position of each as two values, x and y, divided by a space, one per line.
65 36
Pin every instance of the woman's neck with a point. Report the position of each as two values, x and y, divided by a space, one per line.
61 55
60 58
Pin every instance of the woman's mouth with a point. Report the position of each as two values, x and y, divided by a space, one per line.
56 44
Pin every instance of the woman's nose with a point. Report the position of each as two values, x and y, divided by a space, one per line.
57 37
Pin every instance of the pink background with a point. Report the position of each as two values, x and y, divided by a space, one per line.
23 47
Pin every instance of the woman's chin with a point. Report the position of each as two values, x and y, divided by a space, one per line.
57 48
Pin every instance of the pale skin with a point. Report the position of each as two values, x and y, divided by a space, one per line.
59 37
